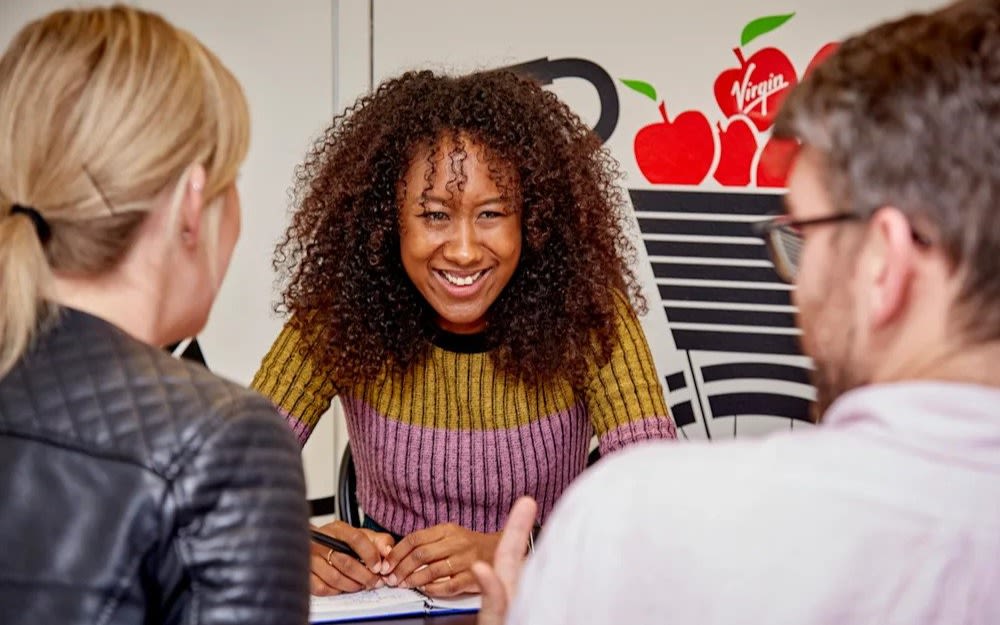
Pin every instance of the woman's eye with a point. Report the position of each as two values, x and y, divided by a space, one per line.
434 215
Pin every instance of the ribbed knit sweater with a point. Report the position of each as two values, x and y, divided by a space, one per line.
453 439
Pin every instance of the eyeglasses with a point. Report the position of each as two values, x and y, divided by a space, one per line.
783 236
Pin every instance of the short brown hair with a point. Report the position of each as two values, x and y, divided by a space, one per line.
907 114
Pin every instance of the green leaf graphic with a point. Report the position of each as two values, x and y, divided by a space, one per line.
644 88
762 26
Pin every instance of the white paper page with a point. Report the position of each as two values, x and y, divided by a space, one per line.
378 602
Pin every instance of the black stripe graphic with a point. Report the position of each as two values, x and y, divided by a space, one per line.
724 294
758 370
751 342
771 404
697 249
733 273
745 332
675 381
702 202
697 227
683 413
730 317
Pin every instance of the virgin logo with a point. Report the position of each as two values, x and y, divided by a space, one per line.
751 95
756 87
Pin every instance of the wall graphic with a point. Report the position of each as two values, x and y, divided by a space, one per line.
721 324
735 351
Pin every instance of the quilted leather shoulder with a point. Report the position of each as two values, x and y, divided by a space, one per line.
143 489
88 385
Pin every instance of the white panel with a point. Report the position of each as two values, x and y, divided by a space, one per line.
283 56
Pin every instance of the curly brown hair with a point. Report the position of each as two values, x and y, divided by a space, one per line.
340 257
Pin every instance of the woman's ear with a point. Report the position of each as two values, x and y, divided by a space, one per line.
192 206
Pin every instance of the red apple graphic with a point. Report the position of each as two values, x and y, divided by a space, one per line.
775 161
677 152
757 87
821 54
737 146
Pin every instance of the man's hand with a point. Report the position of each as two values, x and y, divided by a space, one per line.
499 582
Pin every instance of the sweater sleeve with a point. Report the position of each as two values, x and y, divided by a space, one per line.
624 396
287 376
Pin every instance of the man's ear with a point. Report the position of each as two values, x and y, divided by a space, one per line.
192 207
888 266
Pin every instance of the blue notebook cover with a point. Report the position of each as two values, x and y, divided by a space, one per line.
383 603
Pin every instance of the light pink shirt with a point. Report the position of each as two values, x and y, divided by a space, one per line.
887 513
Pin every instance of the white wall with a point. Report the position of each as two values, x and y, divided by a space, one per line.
282 53
301 60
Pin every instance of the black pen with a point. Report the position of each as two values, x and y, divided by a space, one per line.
335 544
536 529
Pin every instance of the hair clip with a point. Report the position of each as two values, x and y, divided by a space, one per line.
100 191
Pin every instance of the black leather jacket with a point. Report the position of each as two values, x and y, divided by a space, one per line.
137 488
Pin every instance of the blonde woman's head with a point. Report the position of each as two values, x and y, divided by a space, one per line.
125 134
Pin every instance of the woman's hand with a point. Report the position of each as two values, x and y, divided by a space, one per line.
334 573
438 560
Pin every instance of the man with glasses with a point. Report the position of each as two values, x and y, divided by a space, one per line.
889 512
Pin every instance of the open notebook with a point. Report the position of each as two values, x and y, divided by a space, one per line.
383 603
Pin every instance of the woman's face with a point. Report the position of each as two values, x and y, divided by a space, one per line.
460 247
229 232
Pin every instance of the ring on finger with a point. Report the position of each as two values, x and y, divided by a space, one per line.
451 569
329 558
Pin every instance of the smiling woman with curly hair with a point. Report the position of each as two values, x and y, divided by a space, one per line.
456 272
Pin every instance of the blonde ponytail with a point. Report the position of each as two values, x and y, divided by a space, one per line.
25 279
101 112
